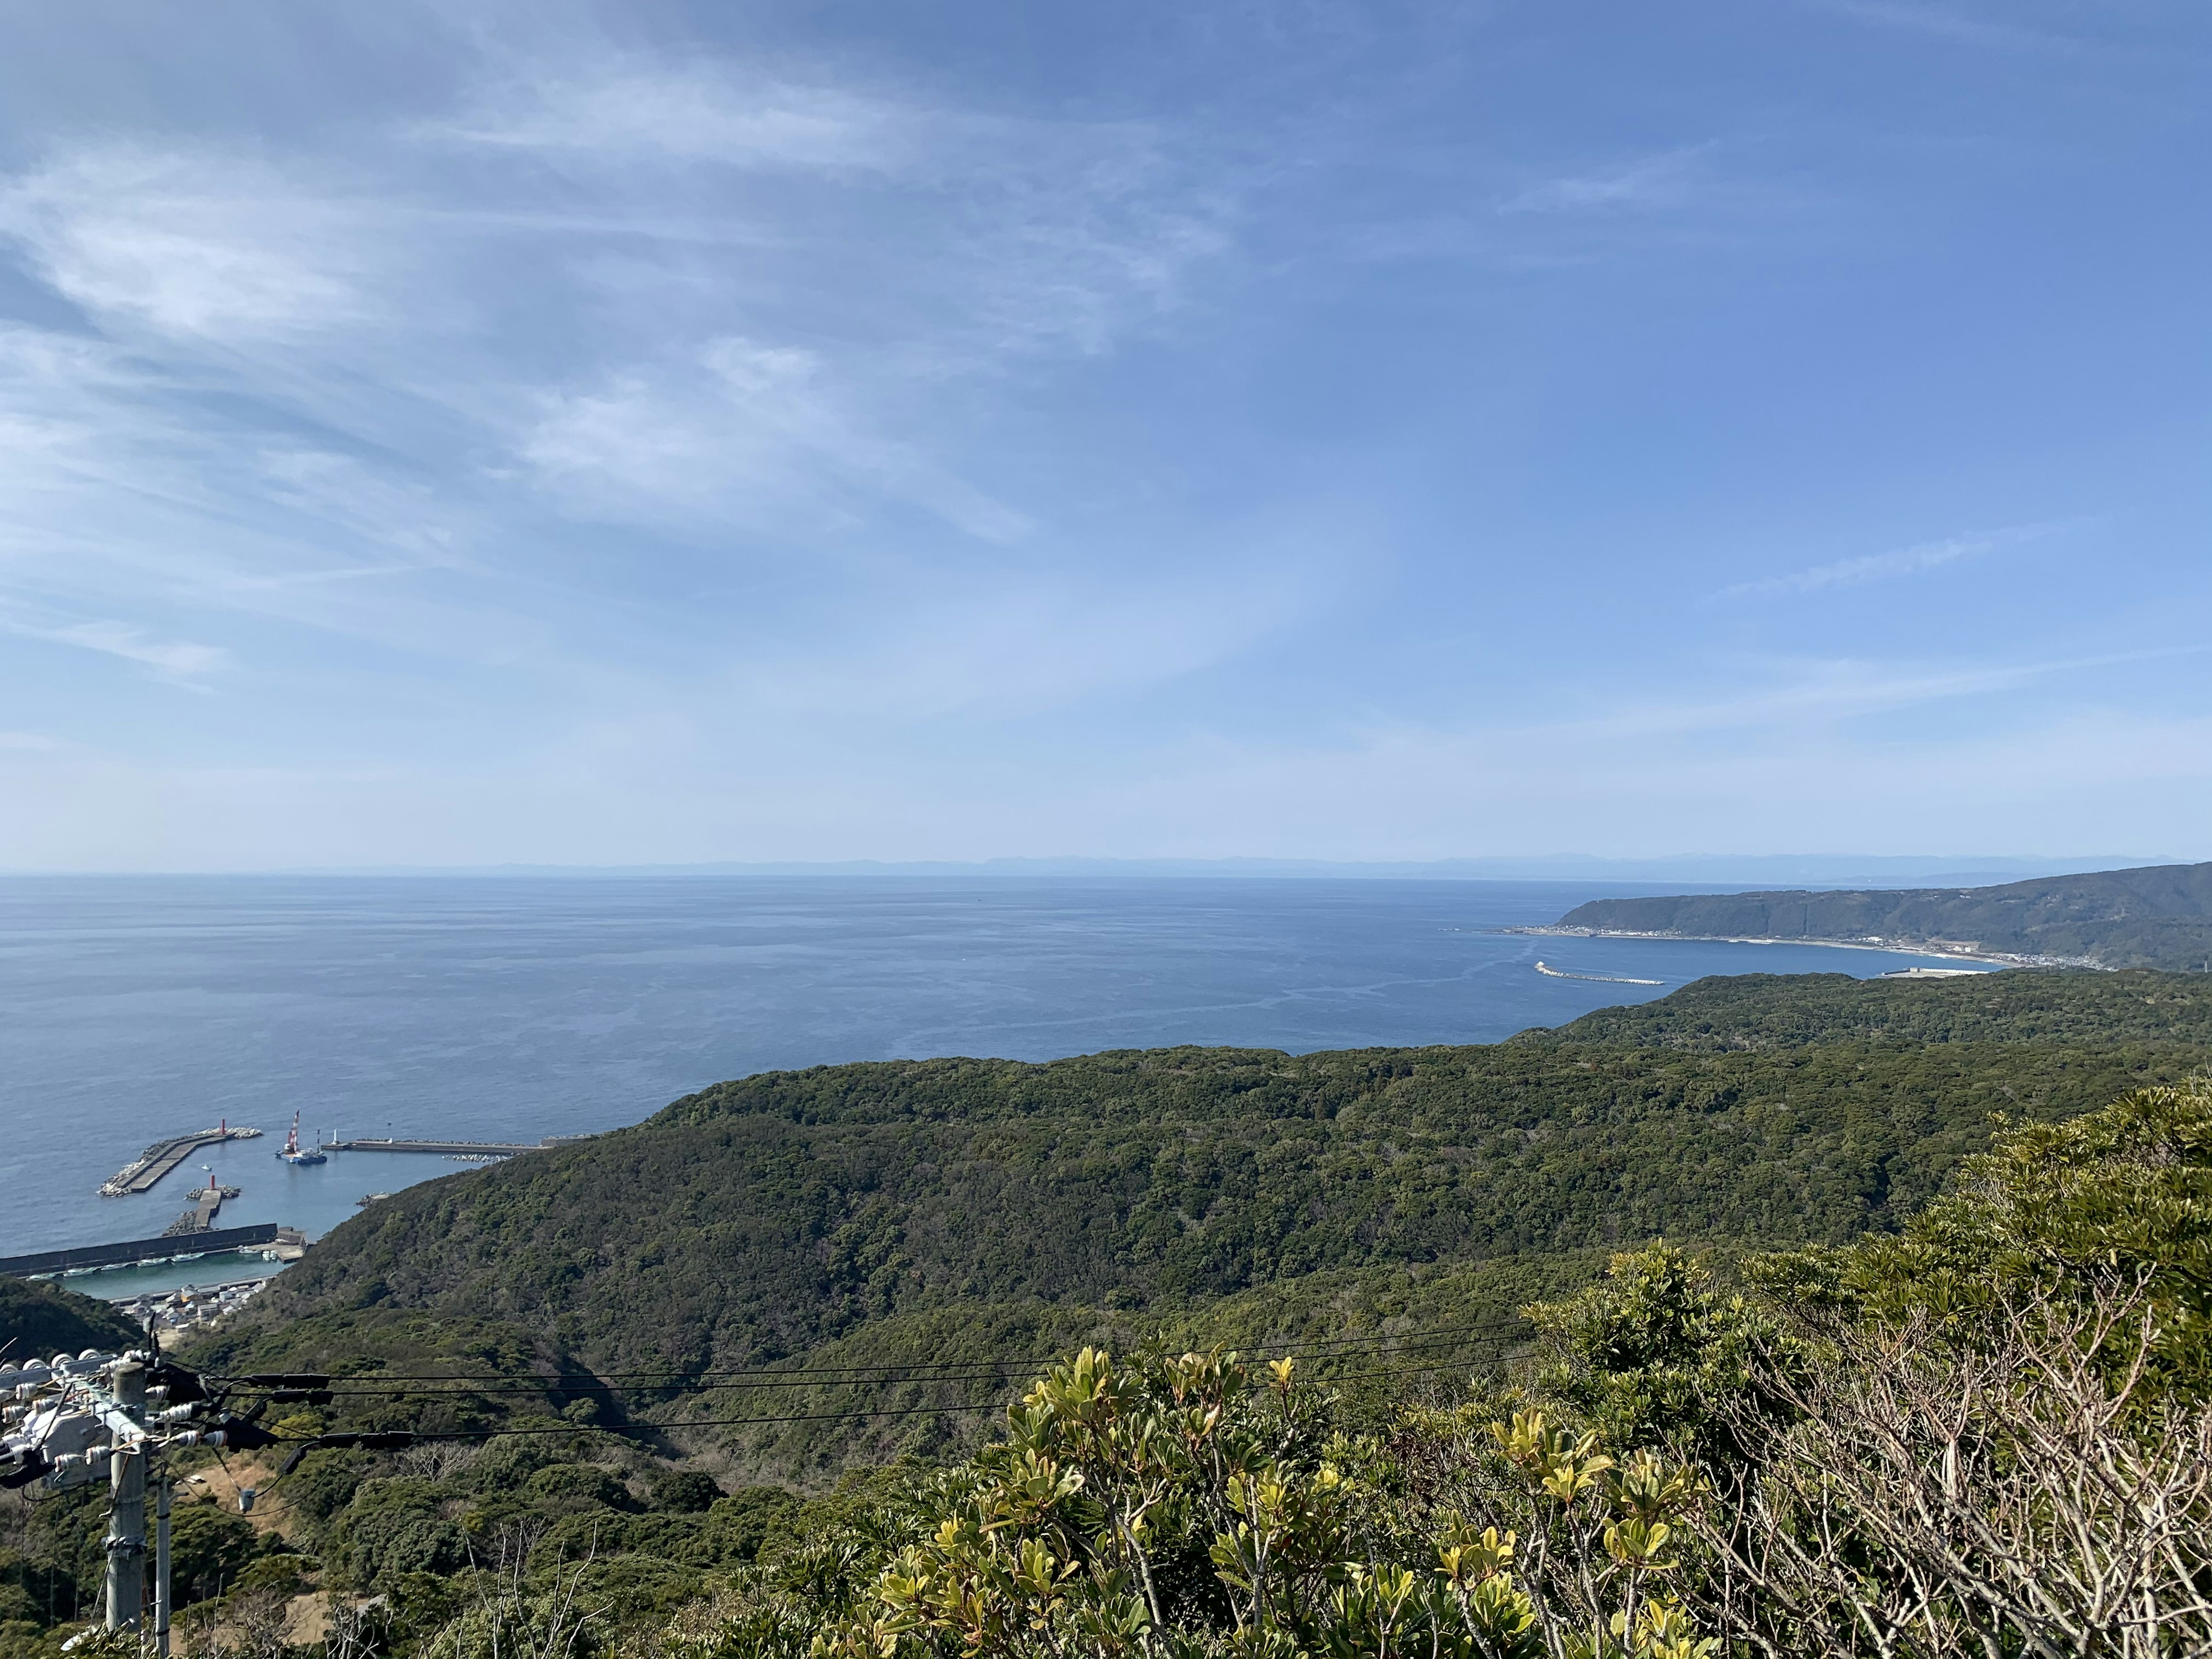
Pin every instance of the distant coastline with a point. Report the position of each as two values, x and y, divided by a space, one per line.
1937 948
2160 917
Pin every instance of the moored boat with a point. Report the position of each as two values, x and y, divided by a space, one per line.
295 1153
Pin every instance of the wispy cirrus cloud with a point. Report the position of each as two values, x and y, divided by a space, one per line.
194 245
179 660
1015 232
404 392
689 113
1884 567
1954 23
1845 689
599 434
758 435
1029 645
1648 183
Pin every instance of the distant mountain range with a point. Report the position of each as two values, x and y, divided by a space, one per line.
2157 917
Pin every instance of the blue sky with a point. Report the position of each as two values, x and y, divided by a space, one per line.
475 434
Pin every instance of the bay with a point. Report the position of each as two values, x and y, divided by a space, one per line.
515 1007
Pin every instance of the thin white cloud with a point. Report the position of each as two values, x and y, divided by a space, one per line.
2045 786
209 246
1951 23
754 435
690 113
1883 567
401 515
124 490
1822 692
1041 234
1012 649
1652 182
722 409
401 400
175 660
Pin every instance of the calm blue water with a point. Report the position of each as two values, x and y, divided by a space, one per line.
512 1008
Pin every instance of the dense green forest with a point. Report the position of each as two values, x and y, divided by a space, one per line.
758 1220
2159 916
40 1319
1987 1435
709 1376
1770 1011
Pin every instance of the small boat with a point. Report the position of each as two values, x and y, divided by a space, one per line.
295 1153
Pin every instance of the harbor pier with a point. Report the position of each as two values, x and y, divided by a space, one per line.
142 1174
447 1148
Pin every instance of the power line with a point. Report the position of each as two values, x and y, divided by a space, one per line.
918 1372
339 1439
1314 1344
413 1436
751 1377
26 1458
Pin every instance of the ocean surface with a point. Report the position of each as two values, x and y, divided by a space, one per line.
511 1008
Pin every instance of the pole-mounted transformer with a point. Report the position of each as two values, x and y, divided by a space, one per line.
72 1420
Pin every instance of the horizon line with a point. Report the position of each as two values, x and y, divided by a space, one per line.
1925 866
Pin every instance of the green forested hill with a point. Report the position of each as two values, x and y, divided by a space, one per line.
2159 916
39 1321
1385 1216
765 1217
1768 1011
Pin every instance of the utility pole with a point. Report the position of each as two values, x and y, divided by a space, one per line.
70 1422
126 1537
126 1513
161 1567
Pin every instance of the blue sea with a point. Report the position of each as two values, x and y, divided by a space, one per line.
514 1008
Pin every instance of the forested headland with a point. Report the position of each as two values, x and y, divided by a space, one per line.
736 1382
2158 916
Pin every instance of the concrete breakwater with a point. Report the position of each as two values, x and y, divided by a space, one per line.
1551 972
450 1148
140 1175
141 1249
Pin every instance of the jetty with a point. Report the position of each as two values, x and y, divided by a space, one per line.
445 1148
207 1201
142 1174
146 1249
1550 972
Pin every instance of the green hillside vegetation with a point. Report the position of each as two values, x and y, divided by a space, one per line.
1794 1011
1424 1230
1986 1436
760 1219
40 1319
804 1430
897 1214
2159 916
1956 1438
